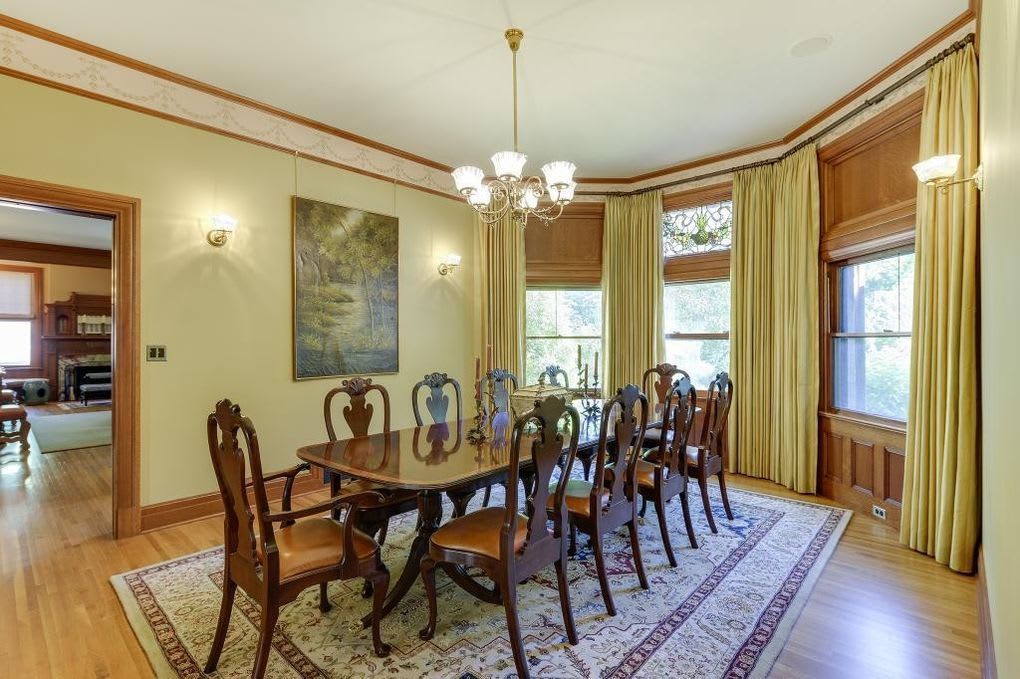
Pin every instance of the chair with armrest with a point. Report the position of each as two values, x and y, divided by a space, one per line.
276 564
507 546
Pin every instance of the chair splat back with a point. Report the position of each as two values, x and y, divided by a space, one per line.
685 397
546 451
436 402
504 383
228 459
627 426
552 374
658 381
358 413
717 411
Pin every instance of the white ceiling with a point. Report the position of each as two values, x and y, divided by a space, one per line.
619 88
57 228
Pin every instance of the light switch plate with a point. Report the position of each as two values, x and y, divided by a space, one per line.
155 352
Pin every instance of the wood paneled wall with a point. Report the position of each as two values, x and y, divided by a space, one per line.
567 252
869 204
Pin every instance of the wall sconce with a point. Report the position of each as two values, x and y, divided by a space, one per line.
940 170
220 228
449 265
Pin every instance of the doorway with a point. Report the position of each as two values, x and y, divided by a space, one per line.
122 214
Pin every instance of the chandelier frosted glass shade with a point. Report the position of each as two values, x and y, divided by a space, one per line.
937 167
480 197
562 196
509 164
468 178
559 174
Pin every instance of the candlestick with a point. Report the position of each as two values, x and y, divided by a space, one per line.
478 378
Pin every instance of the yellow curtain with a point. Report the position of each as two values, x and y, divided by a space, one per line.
940 503
631 288
774 322
502 273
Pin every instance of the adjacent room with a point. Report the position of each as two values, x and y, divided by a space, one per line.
508 339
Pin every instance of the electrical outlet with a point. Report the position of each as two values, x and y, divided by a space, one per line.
878 512
155 352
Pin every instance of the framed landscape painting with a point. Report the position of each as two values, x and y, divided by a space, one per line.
345 291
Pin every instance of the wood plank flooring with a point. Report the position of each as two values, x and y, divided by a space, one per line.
878 610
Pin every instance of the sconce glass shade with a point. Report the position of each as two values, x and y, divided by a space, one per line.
451 262
936 168
562 195
559 173
468 178
509 164
480 197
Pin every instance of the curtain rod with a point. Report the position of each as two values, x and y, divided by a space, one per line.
864 105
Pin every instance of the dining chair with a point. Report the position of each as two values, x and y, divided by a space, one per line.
504 383
274 565
663 473
659 379
509 547
373 515
437 403
552 375
709 458
610 502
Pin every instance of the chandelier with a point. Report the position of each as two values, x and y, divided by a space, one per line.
511 192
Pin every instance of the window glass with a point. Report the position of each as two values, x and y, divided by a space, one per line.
557 322
877 295
871 344
696 319
15 343
693 230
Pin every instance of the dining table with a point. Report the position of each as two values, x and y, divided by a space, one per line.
433 459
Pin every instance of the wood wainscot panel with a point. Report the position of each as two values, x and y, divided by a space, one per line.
832 457
869 192
862 465
870 455
568 251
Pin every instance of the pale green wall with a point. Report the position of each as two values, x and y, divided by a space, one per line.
225 313
1000 322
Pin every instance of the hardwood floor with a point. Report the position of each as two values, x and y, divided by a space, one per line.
878 610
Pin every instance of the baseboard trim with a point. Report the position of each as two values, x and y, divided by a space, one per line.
985 622
197 507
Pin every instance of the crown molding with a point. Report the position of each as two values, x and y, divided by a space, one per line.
41 56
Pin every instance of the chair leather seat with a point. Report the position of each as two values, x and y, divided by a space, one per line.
478 532
394 496
577 497
312 544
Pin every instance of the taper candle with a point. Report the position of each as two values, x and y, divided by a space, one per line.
596 366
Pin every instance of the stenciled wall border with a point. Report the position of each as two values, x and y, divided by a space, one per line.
38 55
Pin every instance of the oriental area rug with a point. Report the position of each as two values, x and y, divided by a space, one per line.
725 611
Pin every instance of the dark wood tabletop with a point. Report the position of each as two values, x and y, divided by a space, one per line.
431 457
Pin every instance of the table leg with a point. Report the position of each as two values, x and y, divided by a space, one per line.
430 513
